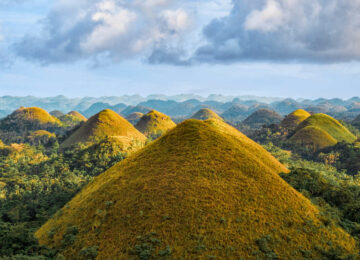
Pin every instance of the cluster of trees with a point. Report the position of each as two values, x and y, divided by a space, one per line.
37 181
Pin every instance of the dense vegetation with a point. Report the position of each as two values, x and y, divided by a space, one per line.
38 177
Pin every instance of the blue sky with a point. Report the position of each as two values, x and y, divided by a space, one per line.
297 48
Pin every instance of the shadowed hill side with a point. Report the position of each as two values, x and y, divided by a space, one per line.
56 113
107 123
155 124
77 115
294 119
202 191
205 114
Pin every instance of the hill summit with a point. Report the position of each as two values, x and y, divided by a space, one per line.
320 131
77 115
202 191
294 119
155 124
107 123
205 114
134 118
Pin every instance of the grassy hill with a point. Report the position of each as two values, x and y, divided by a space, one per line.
313 137
320 131
330 125
56 113
28 119
204 114
72 119
263 117
294 119
155 124
202 191
107 123
134 118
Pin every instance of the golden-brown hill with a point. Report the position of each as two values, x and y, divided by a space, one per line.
320 131
294 119
205 114
29 119
202 191
155 124
105 124
77 115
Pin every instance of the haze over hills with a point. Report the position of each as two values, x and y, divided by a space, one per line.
180 204
184 106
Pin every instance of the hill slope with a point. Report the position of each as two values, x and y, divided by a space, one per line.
294 119
205 114
107 123
202 191
263 117
155 124
28 119
313 138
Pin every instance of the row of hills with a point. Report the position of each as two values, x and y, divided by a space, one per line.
178 107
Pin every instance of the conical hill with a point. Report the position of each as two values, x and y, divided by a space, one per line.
29 119
107 123
202 191
206 113
134 118
330 125
263 117
77 115
294 119
155 124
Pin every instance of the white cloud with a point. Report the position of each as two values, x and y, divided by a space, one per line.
118 29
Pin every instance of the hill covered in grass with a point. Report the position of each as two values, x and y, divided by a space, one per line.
293 120
72 119
107 123
155 124
263 117
202 191
16 126
205 114
320 131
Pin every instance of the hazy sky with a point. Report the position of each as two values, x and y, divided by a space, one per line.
288 48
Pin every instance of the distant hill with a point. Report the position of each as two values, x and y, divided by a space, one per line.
28 119
286 106
154 124
237 112
56 113
135 117
202 191
72 119
320 130
133 109
205 114
293 120
107 123
263 117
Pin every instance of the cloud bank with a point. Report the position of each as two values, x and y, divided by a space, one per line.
117 29
315 31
